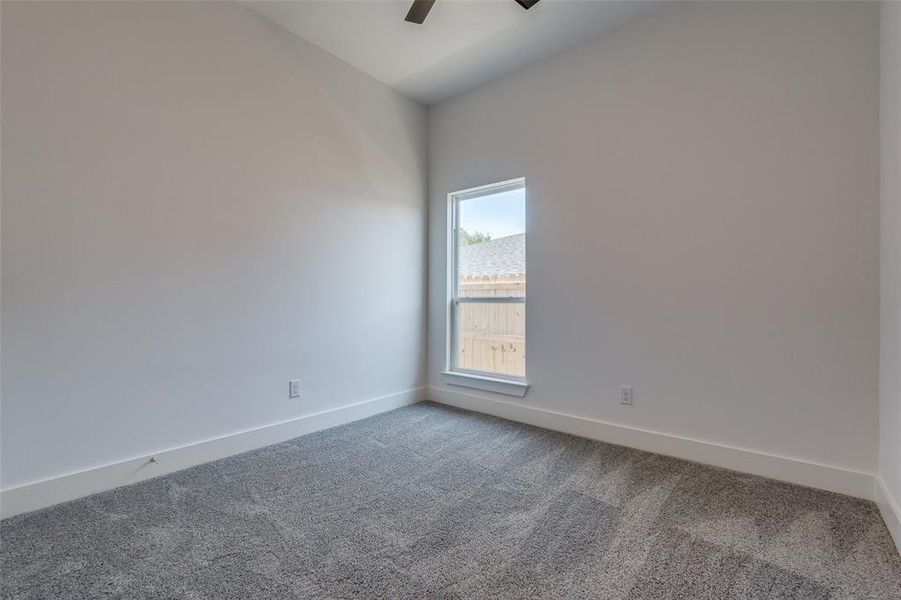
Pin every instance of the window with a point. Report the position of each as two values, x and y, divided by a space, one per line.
487 267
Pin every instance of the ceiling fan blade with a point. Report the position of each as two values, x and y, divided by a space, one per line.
420 10
527 4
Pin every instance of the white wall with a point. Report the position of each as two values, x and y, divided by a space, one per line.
197 207
703 224
890 264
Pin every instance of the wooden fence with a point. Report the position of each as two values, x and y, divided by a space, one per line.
492 335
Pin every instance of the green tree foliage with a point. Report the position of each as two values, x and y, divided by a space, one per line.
476 237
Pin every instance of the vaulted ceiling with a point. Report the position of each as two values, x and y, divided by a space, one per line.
461 45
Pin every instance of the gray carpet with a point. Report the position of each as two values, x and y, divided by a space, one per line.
431 502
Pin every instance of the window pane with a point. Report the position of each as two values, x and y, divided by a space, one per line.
492 337
491 244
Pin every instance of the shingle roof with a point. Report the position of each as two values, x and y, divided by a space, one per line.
503 256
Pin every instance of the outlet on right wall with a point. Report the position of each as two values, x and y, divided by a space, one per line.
888 491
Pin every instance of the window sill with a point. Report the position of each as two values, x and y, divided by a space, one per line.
487 384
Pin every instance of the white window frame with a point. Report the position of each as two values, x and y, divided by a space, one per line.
454 375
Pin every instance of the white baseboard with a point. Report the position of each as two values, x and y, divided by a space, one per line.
53 490
826 477
890 509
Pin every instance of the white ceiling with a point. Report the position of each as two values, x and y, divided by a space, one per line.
462 44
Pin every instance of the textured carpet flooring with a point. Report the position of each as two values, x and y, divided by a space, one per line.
431 502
